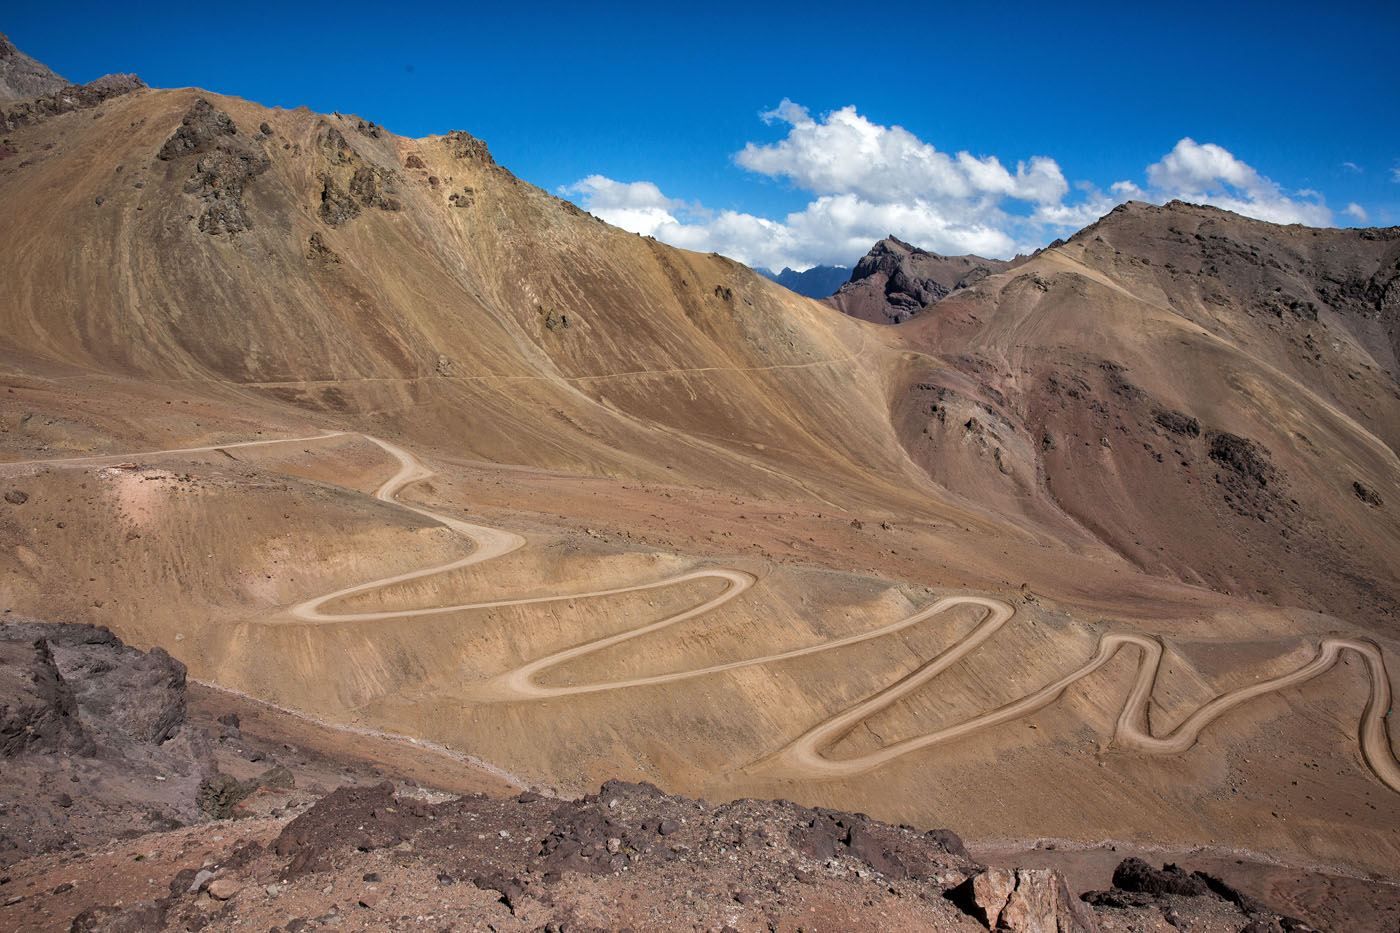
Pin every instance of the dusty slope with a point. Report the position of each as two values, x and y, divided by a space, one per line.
1214 397
637 414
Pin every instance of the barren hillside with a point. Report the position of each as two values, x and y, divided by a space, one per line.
371 429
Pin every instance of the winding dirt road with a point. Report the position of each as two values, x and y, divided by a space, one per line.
806 756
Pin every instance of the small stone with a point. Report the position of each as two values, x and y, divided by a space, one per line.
668 827
614 845
368 901
16 497
221 889
203 877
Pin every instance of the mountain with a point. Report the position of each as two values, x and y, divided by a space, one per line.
23 77
816 282
371 431
895 281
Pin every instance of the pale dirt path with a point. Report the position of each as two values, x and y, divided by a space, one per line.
804 757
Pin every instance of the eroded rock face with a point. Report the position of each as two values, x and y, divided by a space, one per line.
463 145
67 99
116 692
22 76
37 708
1023 900
895 281
93 739
227 162
352 183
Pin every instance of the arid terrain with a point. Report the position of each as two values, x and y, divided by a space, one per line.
440 479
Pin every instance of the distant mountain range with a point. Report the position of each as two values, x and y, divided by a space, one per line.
816 282
891 283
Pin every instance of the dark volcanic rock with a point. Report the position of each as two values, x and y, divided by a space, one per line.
1366 494
348 819
895 281
1139 877
1139 886
227 162
1178 423
74 700
37 708
119 691
69 98
200 129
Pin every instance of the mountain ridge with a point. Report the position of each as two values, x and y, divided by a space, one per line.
23 77
236 308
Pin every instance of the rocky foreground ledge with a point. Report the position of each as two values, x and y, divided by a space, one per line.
114 812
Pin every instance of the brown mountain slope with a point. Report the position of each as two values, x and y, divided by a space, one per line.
1214 397
594 507
895 281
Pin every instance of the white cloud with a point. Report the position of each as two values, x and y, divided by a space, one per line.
867 181
1356 212
1204 173
638 206
1353 168
1395 174
844 153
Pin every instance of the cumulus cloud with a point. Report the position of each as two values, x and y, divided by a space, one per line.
1205 173
867 180
638 206
845 153
1356 212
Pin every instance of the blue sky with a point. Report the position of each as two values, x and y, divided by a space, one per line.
643 113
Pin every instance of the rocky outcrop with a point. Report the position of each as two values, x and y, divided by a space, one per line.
895 281
67 99
1187 900
109 720
38 711
227 162
23 77
463 145
1023 900
352 183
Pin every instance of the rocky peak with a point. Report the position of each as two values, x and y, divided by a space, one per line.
896 280
23 77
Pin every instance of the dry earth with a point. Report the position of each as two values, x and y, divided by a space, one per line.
368 429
